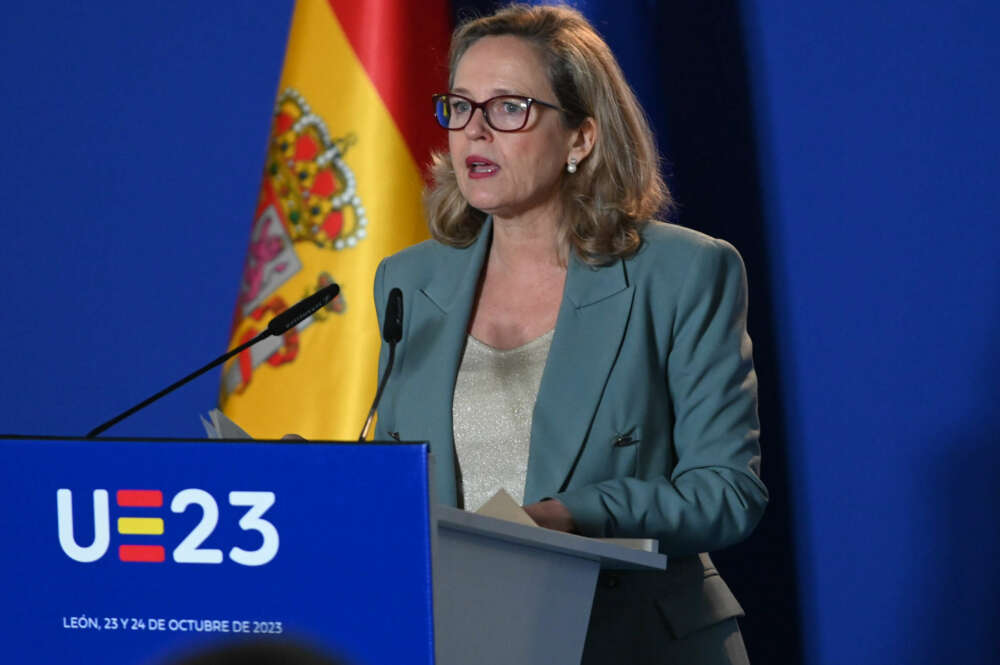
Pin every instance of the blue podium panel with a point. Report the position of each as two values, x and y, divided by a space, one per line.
121 552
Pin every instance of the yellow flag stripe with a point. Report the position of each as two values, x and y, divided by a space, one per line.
140 526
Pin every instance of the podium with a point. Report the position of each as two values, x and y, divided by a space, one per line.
139 551
509 593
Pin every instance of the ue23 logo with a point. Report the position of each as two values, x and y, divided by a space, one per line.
141 525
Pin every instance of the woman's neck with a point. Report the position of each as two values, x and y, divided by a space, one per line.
527 242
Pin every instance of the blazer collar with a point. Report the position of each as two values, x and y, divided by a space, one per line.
590 329
587 285
441 312
454 283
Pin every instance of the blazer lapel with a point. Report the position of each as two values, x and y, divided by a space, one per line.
589 331
439 324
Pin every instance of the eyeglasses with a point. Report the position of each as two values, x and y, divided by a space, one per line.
505 113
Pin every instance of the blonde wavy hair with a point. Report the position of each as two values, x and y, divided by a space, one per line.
617 187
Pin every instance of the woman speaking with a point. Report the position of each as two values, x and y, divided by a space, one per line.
561 345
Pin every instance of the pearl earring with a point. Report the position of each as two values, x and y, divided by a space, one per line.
571 166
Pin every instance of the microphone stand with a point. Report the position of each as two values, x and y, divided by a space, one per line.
277 326
392 332
193 375
378 393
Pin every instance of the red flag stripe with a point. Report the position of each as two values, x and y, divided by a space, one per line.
403 46
144 553
140 498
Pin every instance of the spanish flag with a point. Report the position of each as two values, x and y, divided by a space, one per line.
341 188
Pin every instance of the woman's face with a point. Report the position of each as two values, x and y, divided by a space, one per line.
509 174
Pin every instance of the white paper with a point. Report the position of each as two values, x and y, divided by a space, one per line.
503 507
220 426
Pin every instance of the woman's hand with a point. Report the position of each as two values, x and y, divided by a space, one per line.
551 514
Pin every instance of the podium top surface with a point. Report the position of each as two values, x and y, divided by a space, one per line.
609 555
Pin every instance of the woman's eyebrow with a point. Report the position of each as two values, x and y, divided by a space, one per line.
496 92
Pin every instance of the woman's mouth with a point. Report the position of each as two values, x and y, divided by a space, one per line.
480 167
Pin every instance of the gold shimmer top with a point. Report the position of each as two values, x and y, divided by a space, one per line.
495 395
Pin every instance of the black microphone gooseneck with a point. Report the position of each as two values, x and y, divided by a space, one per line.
277 326
392 332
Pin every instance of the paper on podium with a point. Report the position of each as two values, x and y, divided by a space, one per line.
503 507
220 426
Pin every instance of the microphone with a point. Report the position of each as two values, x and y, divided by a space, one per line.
392 326
292 316
392 332
277 326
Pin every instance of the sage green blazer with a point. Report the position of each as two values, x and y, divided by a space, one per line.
646 421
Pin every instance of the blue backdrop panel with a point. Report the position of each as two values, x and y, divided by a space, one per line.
136 141
882 149
340 559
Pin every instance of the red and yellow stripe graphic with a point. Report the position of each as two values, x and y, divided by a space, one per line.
140 526
341 189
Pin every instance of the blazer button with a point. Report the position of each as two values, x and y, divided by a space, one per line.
612 581
623 440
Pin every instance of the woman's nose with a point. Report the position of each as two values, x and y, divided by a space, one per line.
477 126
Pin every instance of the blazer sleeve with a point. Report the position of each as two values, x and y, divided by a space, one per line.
713 495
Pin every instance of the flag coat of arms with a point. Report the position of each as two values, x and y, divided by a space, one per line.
351 133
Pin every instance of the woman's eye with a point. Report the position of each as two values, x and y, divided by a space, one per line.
460 107
512 107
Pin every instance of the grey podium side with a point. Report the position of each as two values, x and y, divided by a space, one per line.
507 594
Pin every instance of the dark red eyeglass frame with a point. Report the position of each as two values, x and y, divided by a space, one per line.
482 105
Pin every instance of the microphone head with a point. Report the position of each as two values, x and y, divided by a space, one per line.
300 310
392 326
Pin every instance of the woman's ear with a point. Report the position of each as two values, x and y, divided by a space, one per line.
582 140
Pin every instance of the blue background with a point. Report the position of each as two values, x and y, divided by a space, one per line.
847 149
